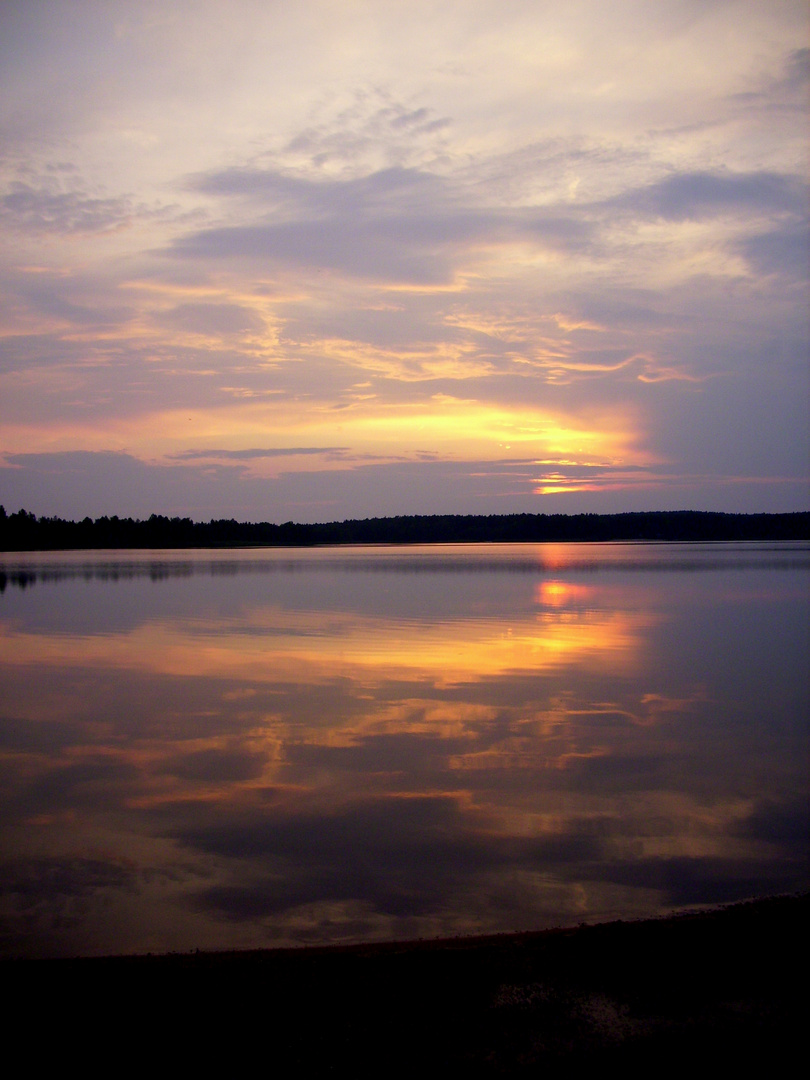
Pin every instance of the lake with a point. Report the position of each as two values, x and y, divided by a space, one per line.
256 748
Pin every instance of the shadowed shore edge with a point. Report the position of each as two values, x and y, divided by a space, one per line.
713 983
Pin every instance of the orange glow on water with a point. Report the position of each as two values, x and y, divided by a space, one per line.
561 593
293 645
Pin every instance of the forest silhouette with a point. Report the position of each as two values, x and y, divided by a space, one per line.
24 531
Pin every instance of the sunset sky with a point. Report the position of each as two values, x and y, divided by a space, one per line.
321 260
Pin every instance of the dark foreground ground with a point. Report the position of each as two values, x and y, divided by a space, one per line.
715 992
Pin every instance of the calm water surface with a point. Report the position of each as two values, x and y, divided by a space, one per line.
257 748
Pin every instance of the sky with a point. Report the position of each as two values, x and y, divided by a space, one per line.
319 261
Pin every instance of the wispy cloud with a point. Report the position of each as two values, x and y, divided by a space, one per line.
249 455
45 209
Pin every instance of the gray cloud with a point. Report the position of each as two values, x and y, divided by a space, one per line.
694 195
363 251
375 190
45 899
265 452
75 299
216 765
399 854
212 319
45 210
797 68
397 223
95 784
784 251
54 879
787 89
690 880
409 225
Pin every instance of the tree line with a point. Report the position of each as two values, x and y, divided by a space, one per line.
24 531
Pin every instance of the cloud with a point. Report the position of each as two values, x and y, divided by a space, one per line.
786 89
382 824
220 765
47 898
587 210
686 880
397 224
797 69
362 249
783 822
118 483
96 783
400 855
408 225
367 193
371 127
784 252
252 454
51 881
213 318
49 210
37 297
695 195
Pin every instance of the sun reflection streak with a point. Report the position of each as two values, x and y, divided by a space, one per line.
558 594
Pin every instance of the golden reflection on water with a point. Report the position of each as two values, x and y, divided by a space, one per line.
296 759
265 645
559 594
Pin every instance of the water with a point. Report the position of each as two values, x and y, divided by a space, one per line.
259 748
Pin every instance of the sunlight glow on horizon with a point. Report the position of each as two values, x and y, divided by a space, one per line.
498 236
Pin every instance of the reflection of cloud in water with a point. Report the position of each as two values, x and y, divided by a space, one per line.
44 895
266 645
282 775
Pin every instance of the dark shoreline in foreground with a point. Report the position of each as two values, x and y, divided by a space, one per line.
23 531
716 988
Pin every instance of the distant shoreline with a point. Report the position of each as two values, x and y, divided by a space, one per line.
24 531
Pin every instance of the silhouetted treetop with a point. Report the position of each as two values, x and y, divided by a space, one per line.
23 531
